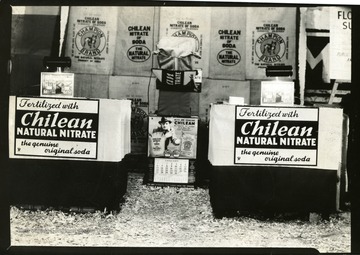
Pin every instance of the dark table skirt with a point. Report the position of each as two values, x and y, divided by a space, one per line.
272 189
66 183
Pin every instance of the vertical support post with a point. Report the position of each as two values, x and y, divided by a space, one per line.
333 91
5 69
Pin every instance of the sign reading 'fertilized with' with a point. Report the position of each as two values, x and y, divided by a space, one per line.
276 136
59 128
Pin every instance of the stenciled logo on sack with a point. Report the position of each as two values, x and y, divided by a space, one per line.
90 41
270 48
138 53
228 57
188 33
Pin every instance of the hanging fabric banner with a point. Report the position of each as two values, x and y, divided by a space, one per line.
227 51
137 31
191 22
91 38
271 39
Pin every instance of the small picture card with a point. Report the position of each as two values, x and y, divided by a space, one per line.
277 93
57 84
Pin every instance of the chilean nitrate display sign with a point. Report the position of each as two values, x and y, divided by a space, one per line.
276 136
59 128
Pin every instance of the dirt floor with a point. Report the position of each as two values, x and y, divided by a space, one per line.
174 217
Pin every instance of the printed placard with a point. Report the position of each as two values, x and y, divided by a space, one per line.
172 137
270 39
276 136
53 127
57 84
340 43
171 170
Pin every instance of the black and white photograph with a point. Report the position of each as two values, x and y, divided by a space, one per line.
107 149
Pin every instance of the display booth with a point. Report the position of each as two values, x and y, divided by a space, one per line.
275 158
67 152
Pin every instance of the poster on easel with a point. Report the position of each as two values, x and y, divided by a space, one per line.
270 40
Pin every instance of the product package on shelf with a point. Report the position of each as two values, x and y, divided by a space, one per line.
177 53
189 22
177 79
